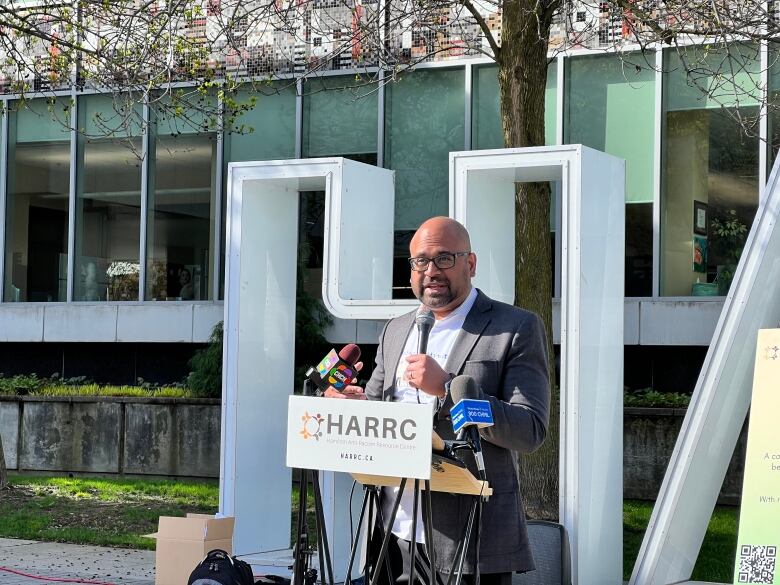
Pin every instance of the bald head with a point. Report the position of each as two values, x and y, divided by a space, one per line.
443 228
444 242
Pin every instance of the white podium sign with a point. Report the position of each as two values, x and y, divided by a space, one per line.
360 436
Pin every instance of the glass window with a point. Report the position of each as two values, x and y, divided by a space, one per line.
36 230
424 123
710 166
267 130
486 129
606 95
340 118
181 230
108 202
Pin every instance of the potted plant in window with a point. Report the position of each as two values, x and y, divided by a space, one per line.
123 280
728 239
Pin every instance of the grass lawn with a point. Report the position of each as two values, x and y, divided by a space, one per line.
113 512
716 558
116 512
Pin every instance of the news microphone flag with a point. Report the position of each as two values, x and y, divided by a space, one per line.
470 412
336 370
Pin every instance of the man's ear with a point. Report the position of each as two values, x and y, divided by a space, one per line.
472 260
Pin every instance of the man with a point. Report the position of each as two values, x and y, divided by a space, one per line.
504 349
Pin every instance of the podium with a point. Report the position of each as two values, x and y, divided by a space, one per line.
380 444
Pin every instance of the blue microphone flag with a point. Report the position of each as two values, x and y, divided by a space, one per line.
470 412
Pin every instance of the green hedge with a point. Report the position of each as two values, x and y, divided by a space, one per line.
651 399
211 377
32 385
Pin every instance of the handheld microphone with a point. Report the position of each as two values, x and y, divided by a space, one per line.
469 415
336 370
424 321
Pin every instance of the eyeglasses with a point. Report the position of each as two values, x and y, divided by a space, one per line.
442 261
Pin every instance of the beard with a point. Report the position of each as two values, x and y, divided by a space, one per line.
435 298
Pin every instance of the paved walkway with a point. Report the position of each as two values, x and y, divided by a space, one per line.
55 560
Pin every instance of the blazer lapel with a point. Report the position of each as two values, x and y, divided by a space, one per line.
394 347
473 326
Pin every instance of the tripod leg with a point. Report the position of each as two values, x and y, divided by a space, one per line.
366 568
466 540
381 533
429 533
477 542
301 536
322 534
353 552
413 543
386 539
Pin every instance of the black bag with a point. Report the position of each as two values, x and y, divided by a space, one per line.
219 568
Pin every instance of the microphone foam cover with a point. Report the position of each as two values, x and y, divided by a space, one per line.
350 353
424 318
464 387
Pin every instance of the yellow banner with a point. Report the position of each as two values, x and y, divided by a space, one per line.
759 520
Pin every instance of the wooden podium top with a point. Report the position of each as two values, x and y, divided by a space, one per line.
447 475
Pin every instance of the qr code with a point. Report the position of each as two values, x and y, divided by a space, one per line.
757 563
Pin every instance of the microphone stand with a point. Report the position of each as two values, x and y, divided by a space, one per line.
303 574
467 533
373 570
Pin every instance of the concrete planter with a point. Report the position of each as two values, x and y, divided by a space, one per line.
180 438
140 436
649 435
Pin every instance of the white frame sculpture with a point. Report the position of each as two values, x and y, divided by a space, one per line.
718 407
482 197
259 314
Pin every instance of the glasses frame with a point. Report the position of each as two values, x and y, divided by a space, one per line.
435 260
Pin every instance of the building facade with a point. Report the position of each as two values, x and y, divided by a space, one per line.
114 241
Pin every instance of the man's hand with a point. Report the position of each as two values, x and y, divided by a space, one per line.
350 392
424 373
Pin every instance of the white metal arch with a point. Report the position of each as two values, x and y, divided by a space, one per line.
259 314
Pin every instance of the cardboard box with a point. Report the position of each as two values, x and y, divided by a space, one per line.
183 542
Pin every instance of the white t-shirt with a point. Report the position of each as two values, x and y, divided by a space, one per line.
440 341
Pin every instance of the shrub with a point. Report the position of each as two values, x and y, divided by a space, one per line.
205 379
652 399
21 384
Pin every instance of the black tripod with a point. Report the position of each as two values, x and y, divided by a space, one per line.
303 573
371 502
371 505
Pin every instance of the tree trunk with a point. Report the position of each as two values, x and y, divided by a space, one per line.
522 80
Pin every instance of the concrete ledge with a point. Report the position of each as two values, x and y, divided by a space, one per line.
9 432
94 322
152 322
99 434
21 322
662 321
169 323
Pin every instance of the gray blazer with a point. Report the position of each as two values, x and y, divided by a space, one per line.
504 349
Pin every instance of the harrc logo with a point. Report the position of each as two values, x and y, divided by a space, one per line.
315 426
311 426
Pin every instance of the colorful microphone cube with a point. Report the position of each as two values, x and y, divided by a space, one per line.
470 412
333 372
